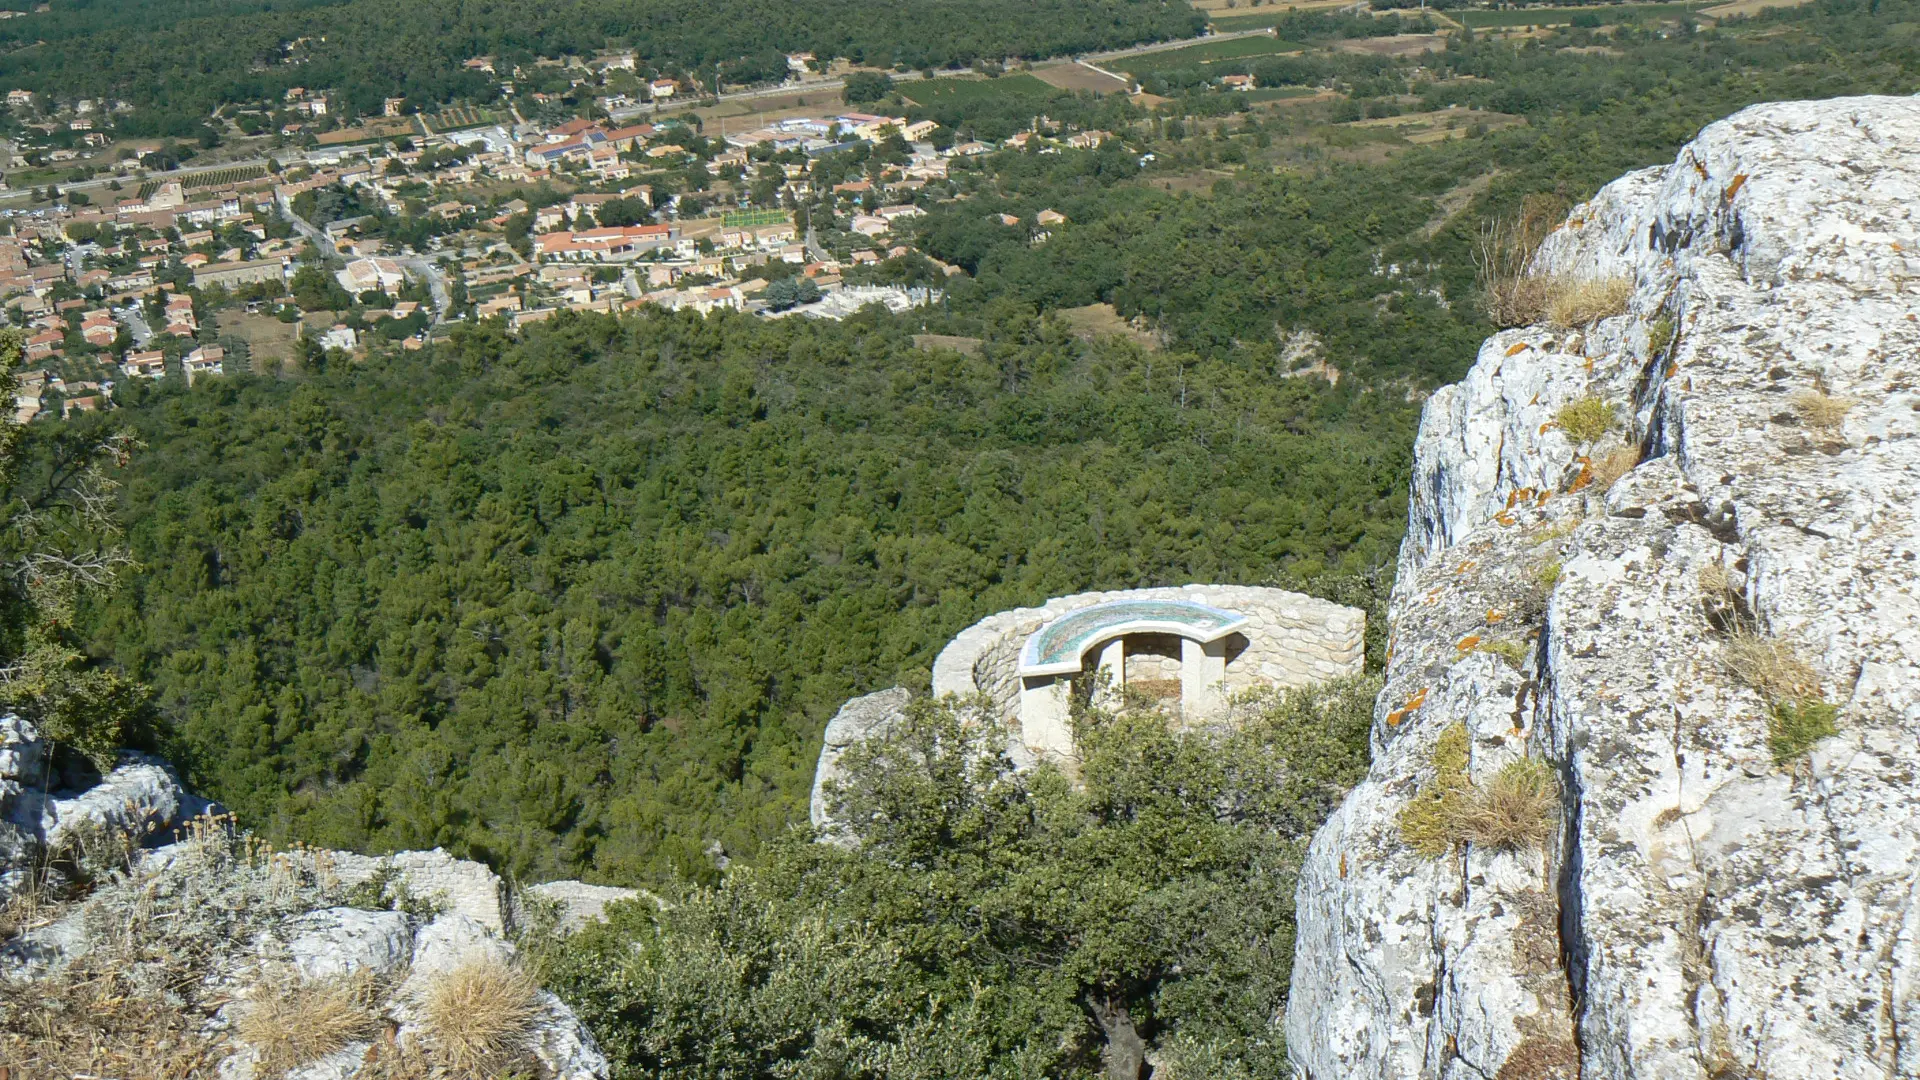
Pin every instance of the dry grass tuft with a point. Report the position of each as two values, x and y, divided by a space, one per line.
1770 667
1517 809
1512 295
479 1018
1575 302
293 1024
1797 717
1513 652
1722 603
1610 467
1820 411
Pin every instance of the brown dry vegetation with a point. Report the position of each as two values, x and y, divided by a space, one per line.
1821 411
1101 320
1077 76
1512 295
1396 45
1770 666
479 1017
1573 302
1518 808
292 1023
1611 466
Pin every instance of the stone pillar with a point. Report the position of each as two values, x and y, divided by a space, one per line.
1112 674
1046 724
1203 677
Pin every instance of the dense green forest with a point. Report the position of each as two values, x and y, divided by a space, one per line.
581 603
175 60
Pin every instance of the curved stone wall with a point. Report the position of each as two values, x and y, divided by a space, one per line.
1292 640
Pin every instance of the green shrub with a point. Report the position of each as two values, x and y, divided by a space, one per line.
1513 652
1797 725
1659 336
1585 420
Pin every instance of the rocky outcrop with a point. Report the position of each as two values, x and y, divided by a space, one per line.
575 903
216 919
858 720
139 801
1719 899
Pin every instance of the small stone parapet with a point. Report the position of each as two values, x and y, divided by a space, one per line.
1292 640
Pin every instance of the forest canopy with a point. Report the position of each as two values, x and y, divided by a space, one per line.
581 603
185 57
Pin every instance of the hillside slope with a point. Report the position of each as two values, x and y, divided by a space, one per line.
1725 893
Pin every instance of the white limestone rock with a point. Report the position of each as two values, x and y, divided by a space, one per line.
141 797
342 941
459 885
859 719
1713 913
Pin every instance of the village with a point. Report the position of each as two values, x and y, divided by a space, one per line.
396 239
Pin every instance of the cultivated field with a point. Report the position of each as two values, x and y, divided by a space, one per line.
1228 20
1247 9
1205 53
1397 45
239 174
392 127
1079 77
268 339
1608 14
937 91
751 219
465 116
1747 7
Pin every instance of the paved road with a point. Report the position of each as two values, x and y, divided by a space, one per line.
135 321
814 250
436 280
317 237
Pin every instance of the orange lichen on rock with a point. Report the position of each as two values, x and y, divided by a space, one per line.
1495 615
1733 189
1586 474
1518 348
1412 706
1468 642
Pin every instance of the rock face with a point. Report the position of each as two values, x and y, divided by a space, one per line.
1712 904
229 914
141 799
857 720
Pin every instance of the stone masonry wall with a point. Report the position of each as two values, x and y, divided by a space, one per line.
1294 640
